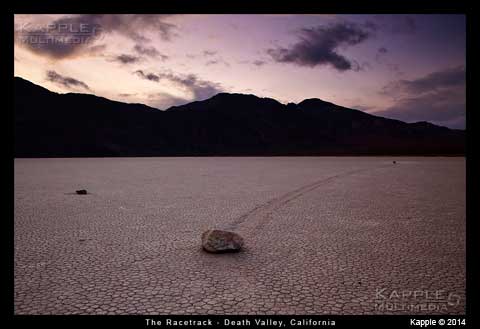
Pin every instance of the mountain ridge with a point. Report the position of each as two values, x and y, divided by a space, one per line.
49 124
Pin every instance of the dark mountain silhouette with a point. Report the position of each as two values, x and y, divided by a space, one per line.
48 124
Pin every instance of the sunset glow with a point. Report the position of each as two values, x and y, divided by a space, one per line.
409 67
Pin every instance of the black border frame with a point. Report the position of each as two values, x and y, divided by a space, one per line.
254 7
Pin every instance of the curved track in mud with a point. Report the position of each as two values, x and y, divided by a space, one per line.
260 211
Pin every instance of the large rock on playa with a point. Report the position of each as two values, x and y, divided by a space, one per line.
218 241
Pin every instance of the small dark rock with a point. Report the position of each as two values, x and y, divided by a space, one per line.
81 191
218 241
394 162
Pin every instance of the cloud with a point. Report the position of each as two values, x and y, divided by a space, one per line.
451 77
132 25
319 45
212 62
200 89
147 76
162 100
356 66
438 97
439 107
149 51
381 52
65 81
217 61
71 35
259 63
209 53
126 59
95 50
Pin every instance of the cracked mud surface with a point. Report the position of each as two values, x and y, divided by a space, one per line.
322 236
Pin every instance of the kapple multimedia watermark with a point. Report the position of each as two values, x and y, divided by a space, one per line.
57 33
415 300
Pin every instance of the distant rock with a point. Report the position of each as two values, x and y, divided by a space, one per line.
218 241
394 162
81 191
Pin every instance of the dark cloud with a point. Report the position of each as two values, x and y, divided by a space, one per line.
449 78
438 97
95 50
201 89
71 36
439 107
209 53
126 59
319 45
356 66
149 51
147 76
133 25
217 61
65 81
259 63
211 61
382 50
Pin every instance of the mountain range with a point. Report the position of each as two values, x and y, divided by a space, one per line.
49 124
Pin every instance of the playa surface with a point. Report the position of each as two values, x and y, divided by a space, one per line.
323 235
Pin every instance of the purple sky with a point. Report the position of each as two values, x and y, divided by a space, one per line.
408 67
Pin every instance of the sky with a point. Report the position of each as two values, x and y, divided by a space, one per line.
406 67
